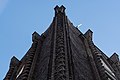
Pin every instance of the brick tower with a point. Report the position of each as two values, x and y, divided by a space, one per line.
63 52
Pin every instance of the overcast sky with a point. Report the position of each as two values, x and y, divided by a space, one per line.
20 18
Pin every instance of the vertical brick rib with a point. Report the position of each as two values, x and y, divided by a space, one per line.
59 57
29 61
98 62
91 60
13 69
10 72
60 63
51 51
69 50
35 57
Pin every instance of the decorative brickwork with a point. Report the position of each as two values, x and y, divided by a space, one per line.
63 52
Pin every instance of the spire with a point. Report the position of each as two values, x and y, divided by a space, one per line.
60 9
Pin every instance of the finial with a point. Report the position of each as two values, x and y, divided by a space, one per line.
62 8
89 34
14 61
56 7
59 9
114 58
35 36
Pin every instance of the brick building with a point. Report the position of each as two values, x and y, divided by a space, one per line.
63 52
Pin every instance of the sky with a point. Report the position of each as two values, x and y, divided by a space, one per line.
20 18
